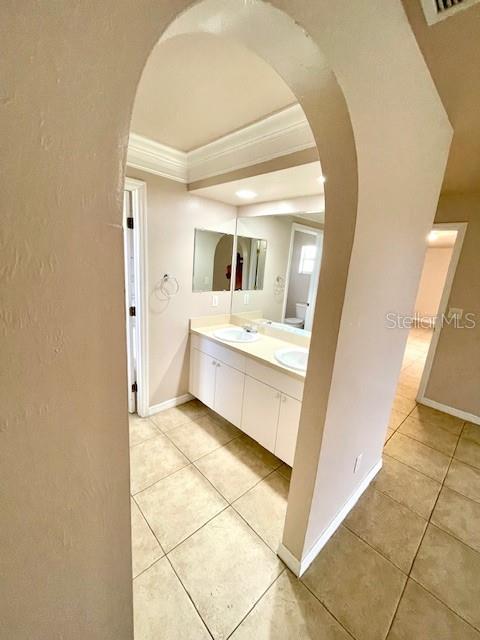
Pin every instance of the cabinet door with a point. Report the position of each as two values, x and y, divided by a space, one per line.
288 422
261 405
202 377
229 385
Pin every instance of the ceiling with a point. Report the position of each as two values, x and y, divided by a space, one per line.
452 51
301 180
198 87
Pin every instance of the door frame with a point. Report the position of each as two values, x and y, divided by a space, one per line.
460 228
313 291
138 194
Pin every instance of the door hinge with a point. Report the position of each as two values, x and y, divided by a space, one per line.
132 311
129 223
134 387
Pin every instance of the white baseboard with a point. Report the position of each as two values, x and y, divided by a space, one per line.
168 404
463 415
298 567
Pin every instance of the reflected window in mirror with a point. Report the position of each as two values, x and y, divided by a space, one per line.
212 260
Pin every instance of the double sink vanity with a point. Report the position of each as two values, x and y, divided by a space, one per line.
252 376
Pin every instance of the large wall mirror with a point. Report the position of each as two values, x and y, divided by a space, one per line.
278 264
212 260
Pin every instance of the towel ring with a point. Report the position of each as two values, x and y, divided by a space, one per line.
168 286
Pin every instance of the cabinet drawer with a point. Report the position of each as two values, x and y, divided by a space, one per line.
218 351
280 381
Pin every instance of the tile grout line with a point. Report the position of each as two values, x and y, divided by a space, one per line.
422 539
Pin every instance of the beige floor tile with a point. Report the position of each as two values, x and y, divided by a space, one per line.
261 452
388 527
145 548
451 571
417 455
288 611
233 469
403 405
285 471
464 479
472 432
389 434
468 451
407 390
459 516
162 609
178 505
264 508
430 434
174 417
152 460
421 616
141 429
356 584
201 436
404 484
396 419
437 418
225 568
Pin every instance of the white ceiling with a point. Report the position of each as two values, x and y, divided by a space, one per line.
197 88
293 182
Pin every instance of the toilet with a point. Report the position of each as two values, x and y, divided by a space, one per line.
299 320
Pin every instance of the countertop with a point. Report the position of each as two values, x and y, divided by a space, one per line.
262 350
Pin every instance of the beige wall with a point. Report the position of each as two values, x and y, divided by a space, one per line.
437 260
69 82
276 231
172 216
455 375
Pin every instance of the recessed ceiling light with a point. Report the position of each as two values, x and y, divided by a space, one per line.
246 194
321 179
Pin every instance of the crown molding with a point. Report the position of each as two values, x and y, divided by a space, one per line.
156 158
279 134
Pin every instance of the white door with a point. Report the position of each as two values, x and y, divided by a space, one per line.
261 405
202 377
130 302
229 385
287 431
312 290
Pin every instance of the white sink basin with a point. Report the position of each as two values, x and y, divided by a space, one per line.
293 357
236 334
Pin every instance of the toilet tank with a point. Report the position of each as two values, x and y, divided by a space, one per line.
301 310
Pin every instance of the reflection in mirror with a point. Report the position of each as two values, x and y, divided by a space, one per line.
212 260
279 286
251 255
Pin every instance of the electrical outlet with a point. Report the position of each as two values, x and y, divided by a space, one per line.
214 301
358 462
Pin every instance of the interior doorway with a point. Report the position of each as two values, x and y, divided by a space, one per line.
444 243
136 318
305 256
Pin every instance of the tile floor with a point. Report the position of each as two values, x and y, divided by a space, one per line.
208 506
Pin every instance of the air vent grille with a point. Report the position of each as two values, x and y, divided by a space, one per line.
436 10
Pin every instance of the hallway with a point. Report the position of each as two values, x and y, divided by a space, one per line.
208 508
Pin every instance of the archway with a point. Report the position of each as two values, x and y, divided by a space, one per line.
386 120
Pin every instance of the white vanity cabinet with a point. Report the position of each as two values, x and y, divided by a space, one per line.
260 399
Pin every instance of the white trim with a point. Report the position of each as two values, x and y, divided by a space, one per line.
277 135
151 156
461 228
138 191
458 413
168 404
300 566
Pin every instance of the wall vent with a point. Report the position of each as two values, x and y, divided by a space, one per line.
436 10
